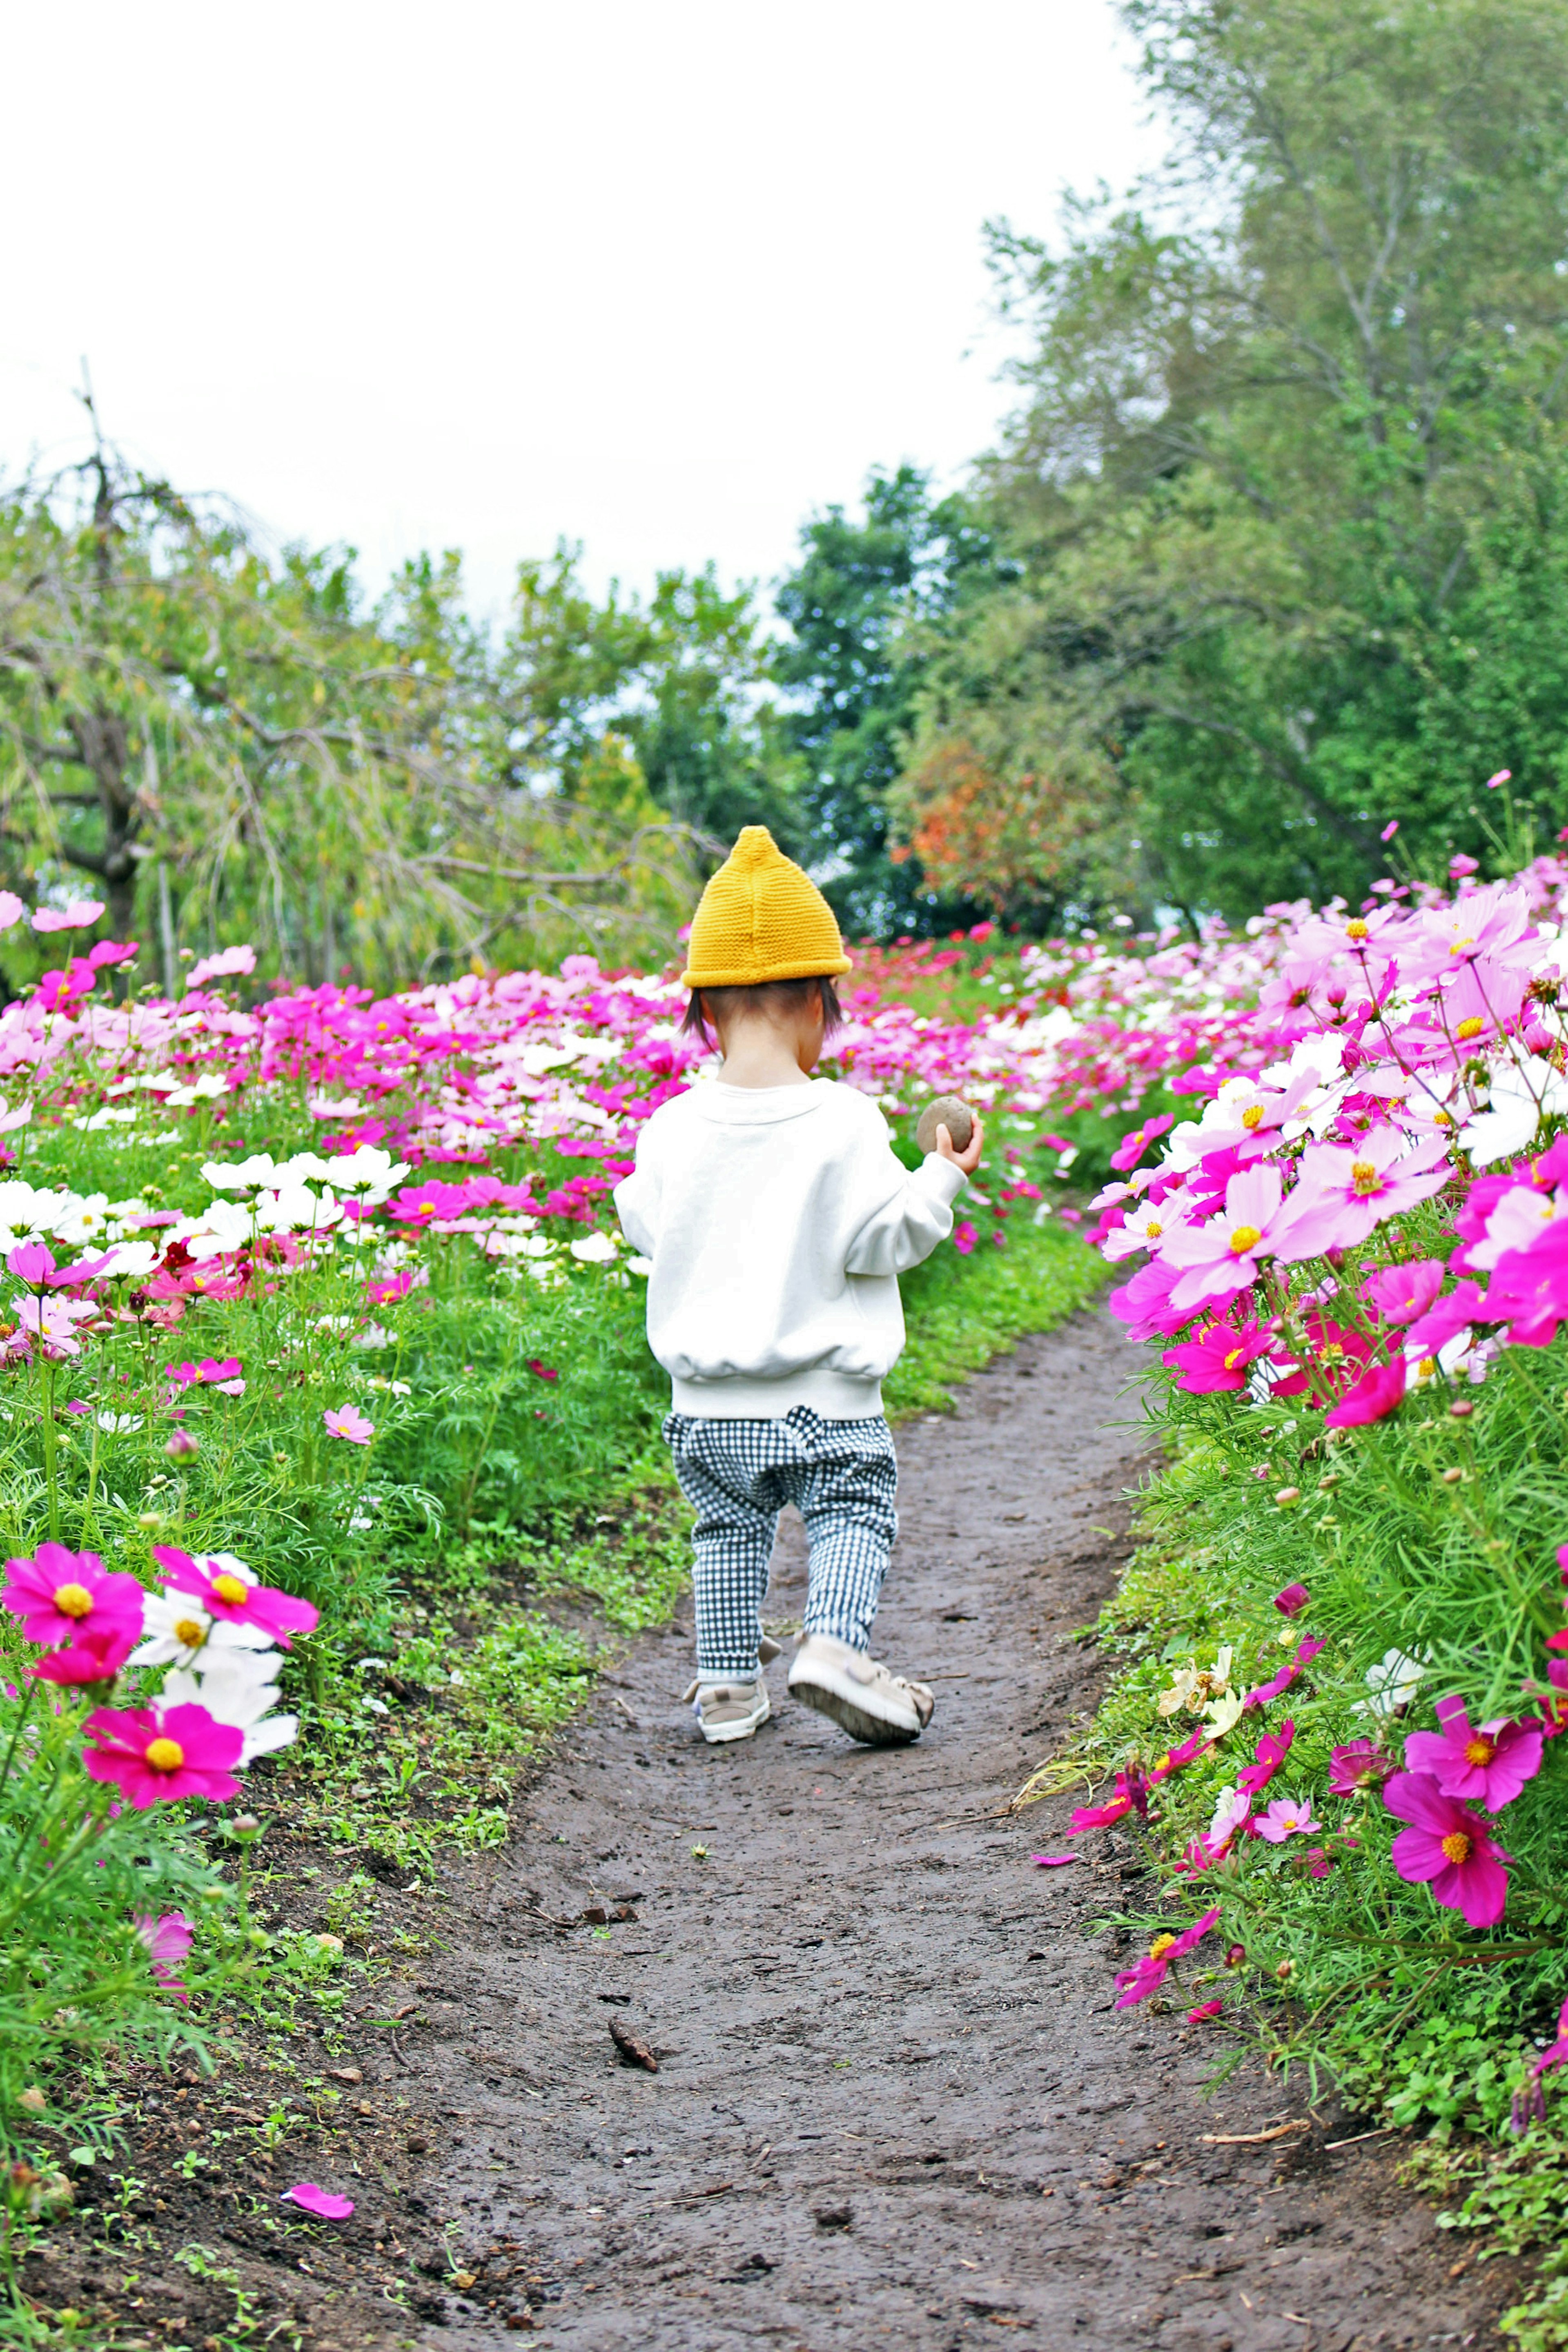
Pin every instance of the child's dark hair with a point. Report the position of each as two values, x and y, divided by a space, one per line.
767 996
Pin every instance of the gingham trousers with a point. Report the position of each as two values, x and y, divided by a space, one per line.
738 1475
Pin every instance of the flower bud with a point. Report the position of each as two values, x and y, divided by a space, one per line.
1285 1971
1234 1955
1461 1409
1285 1496
182 1444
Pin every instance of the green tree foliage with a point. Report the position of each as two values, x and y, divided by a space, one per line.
1288 485
857 607
678 683
227 748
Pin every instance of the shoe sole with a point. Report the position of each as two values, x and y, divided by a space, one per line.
721 1734
840 1701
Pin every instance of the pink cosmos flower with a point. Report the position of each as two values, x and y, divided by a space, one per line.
1446 1319
347 1420
1292 1599
1144 1304
1204 2009
1286 1817
228 1590
1447 1845
1148 1974
168 1939
1221 1257
60 1594
964 1239
52 1322
1343 1195
1489 1763
156 1754
322 2202
74 916
1130 1794
1359 1764
1270 1753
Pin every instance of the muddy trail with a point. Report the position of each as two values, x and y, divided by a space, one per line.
893 2101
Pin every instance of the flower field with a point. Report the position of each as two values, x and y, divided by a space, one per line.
324 1372
1336 1208
322 1383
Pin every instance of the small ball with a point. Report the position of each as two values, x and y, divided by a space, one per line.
950 1111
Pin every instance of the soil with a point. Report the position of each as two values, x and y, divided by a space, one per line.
893 2100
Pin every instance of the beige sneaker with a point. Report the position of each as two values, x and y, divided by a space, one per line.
727 1710
870 1703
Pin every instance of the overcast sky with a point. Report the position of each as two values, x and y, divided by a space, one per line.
660 276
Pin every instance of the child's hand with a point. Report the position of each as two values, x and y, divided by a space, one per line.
969 1158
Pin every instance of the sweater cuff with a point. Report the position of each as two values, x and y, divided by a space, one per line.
945 1177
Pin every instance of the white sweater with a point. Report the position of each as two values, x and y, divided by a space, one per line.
778 1220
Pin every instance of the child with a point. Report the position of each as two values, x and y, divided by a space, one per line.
778 1218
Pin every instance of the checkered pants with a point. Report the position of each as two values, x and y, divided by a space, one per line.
738 1475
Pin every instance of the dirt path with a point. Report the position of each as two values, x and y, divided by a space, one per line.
894 2102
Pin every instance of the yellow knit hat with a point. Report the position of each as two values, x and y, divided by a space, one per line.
760 919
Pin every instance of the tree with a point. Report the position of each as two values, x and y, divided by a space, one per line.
233 747
678 683
857 607
1289 486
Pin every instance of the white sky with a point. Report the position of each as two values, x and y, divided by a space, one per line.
659 275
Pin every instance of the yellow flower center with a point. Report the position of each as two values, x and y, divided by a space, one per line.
1154 1228
1468 942
1426 1368
1233 1357
1442 1118
164 1755
1481 1749
1471 1027
73 1601
1457 1846
230 1589
1243 1238
1161 1944
1355 929
1364 1176
189 1633
425 1209
1251 1115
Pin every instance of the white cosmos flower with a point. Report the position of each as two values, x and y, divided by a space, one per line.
368 1172
239 1175
175 1629
237 1687
1391 1683
119 1424
593 1249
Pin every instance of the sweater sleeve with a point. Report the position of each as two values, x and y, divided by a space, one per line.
636 1197
909 1224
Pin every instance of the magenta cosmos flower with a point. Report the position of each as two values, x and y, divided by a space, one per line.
347 1420
1147 1975
1359 1764
1270 1753
95 1654
1446 1845
1218 1357
228 1590
60 1594
1488 1762
1292 1599
156 1754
